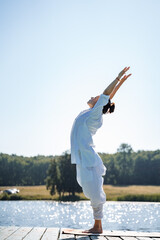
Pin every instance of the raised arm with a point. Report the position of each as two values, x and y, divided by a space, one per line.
119 85
112 88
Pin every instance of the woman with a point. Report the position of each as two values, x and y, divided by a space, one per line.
89 165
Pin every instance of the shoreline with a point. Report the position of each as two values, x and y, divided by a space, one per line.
135 193
87 200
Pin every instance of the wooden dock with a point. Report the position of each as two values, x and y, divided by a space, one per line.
42 233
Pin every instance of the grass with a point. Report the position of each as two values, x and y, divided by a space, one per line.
114 193
140 198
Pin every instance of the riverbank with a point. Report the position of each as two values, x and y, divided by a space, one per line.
114 193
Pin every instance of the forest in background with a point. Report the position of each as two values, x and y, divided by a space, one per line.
125 167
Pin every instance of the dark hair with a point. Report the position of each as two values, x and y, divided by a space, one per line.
109 107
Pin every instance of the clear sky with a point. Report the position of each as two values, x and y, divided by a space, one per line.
56 54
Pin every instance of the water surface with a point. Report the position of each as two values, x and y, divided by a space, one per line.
117 215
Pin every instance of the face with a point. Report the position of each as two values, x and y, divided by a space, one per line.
92 101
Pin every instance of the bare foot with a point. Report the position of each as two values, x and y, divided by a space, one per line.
94 230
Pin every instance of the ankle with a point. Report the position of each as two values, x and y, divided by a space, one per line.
98 224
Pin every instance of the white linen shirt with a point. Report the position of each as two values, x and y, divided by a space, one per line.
84 127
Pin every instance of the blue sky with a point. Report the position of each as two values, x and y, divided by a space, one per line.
55 55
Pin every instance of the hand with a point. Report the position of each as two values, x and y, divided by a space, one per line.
123 72
125 77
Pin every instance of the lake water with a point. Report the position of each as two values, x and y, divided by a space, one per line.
117 215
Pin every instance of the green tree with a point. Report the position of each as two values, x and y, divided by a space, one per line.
124 164
52 179
62 176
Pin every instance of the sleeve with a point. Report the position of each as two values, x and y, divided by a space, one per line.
96 111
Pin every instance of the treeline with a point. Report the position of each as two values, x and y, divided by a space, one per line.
22 171
125 167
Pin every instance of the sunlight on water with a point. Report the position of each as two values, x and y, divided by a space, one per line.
117 215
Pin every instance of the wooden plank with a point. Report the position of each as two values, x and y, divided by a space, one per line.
80 232
143 238
7 231
51 234
129 238
156 235
113 238
82 237
29 233
115 233
147 234
99 237
20 233
74 234
36 233
66 236
132 234
148 238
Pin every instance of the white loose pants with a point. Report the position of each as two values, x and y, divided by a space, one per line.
91 181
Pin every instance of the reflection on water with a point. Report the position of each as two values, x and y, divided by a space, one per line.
117 215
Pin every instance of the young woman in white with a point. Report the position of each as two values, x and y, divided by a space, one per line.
89 165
